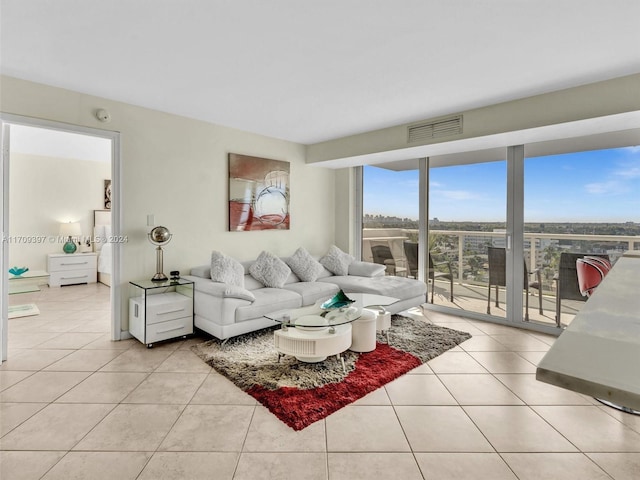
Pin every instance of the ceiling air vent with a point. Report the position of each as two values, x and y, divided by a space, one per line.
441 128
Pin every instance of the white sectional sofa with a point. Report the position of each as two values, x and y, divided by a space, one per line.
226 309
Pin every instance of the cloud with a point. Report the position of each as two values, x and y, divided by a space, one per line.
622 179
628 172
604 188
458 194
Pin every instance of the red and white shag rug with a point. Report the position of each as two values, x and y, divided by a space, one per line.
300 393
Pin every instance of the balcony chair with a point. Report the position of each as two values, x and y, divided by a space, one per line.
382 255
498 277
411 252
567 287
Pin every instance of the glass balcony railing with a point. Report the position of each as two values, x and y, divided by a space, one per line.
466 251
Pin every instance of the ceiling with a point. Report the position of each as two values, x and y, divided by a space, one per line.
314 71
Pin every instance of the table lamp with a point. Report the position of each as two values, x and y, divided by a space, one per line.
159 236
70 229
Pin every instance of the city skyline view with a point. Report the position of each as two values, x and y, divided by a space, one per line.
591 186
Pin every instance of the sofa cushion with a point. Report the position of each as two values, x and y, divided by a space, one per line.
391 286
324 273
270 270
337 261
225 269
311 292
304 265
366 269
292 278
268 300
251 283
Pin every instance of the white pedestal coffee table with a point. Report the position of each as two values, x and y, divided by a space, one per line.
311 334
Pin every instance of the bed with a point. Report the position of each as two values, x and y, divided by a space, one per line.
102 245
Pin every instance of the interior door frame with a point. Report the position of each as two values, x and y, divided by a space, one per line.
6 120
4 251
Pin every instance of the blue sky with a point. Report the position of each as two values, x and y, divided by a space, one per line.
595 186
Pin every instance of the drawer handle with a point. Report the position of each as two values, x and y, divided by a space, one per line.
171 311
76 263
71 278
172 329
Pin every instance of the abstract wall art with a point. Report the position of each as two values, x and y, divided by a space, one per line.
107 194
258 193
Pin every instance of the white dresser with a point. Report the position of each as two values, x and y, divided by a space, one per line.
161 311
72 268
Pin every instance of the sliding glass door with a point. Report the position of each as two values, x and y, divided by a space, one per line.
467 235
582 203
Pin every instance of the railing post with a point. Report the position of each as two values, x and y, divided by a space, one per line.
532 254
460 258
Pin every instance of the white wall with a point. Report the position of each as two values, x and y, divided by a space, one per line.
45 191
176 168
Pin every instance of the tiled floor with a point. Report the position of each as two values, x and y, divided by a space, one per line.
75 405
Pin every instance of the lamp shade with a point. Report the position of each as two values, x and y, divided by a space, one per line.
70 229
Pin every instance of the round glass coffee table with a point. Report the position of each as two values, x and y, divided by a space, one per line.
312 334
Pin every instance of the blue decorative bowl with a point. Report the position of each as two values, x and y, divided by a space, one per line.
18 270
339 300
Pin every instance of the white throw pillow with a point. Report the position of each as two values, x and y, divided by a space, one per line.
304 265
270 270
337 261
225 269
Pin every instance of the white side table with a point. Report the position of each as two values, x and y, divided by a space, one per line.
377 304
363 332
160 310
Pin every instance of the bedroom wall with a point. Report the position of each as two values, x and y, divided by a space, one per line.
45 191
176 168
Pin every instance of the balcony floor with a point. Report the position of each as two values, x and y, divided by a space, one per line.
473 298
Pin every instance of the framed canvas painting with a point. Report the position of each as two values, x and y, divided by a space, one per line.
258 194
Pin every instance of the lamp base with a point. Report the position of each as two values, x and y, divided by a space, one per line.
159 277
69 247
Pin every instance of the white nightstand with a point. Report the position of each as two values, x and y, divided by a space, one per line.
160 310
72 268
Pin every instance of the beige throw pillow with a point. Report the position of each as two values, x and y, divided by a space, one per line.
270 270
225 269
337 261
304 265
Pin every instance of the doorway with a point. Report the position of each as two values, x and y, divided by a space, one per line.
52 174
